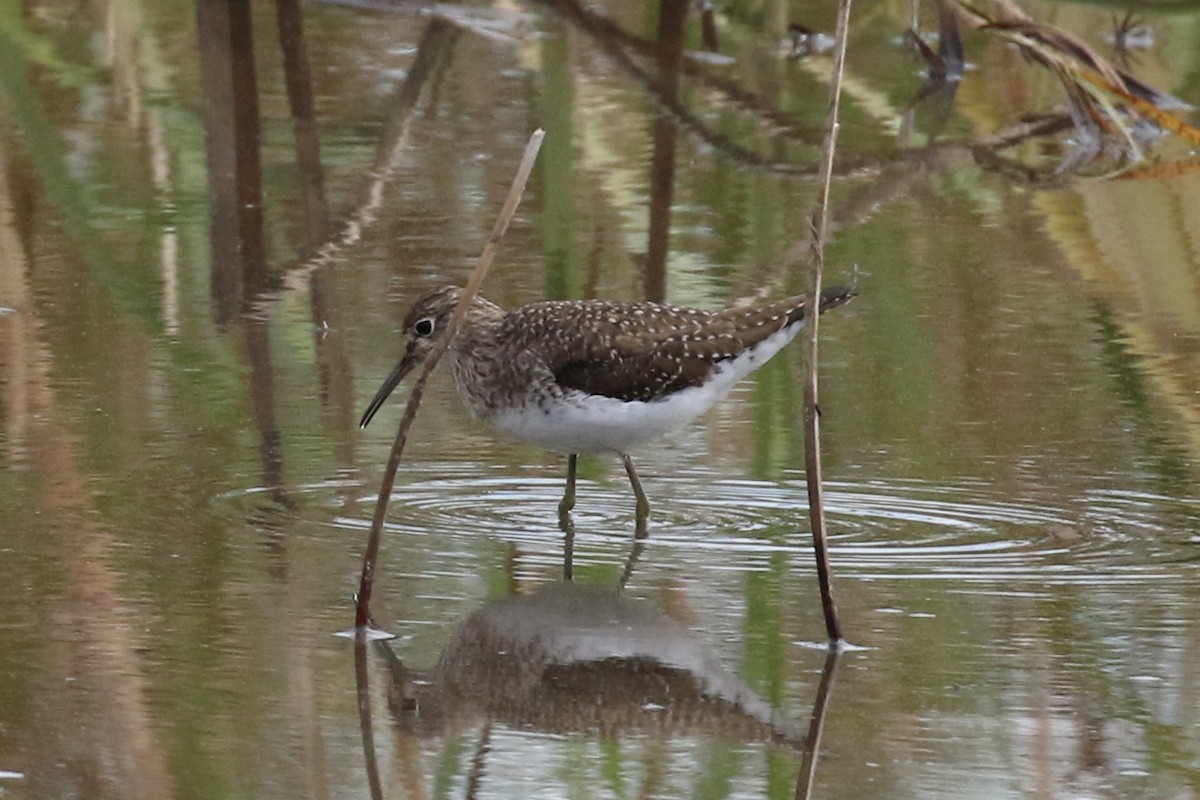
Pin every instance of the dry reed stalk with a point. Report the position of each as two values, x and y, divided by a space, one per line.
812 438
367 580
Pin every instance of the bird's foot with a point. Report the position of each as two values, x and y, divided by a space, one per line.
641 517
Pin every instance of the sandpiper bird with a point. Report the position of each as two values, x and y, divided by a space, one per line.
587 376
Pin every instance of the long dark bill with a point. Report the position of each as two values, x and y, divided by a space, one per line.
393 380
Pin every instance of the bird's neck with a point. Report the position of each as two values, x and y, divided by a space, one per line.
477 354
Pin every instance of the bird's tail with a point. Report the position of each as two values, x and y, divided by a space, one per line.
836 296
830 298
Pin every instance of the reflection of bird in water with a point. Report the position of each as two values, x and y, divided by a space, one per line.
592 376
570 658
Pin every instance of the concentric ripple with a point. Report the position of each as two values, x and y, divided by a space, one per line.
878 529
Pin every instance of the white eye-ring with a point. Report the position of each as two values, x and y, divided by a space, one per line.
423 326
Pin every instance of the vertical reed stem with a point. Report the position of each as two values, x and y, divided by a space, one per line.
367 580
812 438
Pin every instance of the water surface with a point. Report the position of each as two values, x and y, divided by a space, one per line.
1011 424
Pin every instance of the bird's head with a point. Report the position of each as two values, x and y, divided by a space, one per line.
424 324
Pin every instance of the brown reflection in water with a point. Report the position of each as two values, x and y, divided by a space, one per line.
238 252
231 128
569 659
708 27
239 272
816 725
362 683
324 240
935 98
262 396
298 78
240 279
334 375
671 16
433 56
334 372
92 656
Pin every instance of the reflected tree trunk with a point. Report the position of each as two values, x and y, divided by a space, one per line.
334 375
239 270
708 27
669 53
231 140
433 55
298 78
262 396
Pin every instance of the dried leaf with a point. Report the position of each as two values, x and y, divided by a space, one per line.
1162 119
1161 169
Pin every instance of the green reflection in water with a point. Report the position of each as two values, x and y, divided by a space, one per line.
557 172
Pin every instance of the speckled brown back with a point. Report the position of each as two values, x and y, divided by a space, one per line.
640 351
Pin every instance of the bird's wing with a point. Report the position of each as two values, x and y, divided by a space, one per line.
639 351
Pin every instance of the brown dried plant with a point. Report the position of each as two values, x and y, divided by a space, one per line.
1107 104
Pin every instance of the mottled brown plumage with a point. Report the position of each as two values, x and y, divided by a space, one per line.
641 351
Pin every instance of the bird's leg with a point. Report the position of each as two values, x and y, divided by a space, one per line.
639 545
568 502
568 529
564 519
643 505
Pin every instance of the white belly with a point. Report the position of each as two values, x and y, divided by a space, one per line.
584 423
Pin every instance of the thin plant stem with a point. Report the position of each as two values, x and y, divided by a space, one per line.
812 434
816 726
363 694
367 580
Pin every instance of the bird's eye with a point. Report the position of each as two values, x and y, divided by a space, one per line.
424 327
